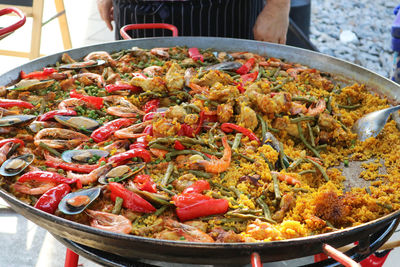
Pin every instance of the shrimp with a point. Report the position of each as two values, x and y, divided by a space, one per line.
132 131
110 222
65 139
92 176
152 71
176 231
101 55
218 165
118 146
122 107
33 187
161 52
316 109
284 177
71 103
4 151
86 78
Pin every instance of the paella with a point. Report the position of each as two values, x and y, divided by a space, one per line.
195 145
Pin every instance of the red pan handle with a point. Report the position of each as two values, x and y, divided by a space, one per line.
147 26
15 26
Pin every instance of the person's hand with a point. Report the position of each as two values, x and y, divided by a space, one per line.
272 23
106 9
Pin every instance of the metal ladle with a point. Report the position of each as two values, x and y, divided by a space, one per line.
371 124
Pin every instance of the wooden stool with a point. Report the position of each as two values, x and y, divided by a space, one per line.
34 9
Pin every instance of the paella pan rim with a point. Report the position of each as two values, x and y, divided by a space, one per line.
103 240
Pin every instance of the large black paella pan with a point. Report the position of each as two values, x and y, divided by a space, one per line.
216 253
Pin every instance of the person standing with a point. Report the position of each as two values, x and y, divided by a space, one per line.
246 19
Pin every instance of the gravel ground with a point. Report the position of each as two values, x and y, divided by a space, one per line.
356 31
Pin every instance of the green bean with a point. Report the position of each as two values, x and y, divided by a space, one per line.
170 140
152 197
264 206
303 118
246 211
385 205
276 88
165 179
343 126
160 211
169 192
299 189
264 128
368 190
51 150
282 156
117 205
237 140
271 167
303 139
192 106
42 106
310 132
236 191
329 104
261 73
276 186
349 106
250 216
214 153
243 156
307 171
330 225
304 99
201 174
276 73
295 163
186 94
151 94
158 146
169 155
101 113
320 147
320 169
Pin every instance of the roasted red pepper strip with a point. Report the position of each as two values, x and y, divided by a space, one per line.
132 201
178 145
14 140
249 77
149 116
229 127
141 142
104 132
200 124
145 183
82 168
44 176
197 187
195 54
184 200
49 201
246 67
116 87
40 75
135 152
151 105
49 115
186 130
203 208
94 101
9 103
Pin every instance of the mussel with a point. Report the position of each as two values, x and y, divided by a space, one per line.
270 139
14 166
76 202
120 173
83 64
78 122
15 119
25 85
228 65
83 156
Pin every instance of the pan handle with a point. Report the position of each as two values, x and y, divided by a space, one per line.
328 250
15 26
147 26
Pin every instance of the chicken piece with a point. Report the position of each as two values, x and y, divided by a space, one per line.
222 236
284 124
176 112
224 113
156 84
164 127
287 203
180 231
212 77
175 79
222 93
247 118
